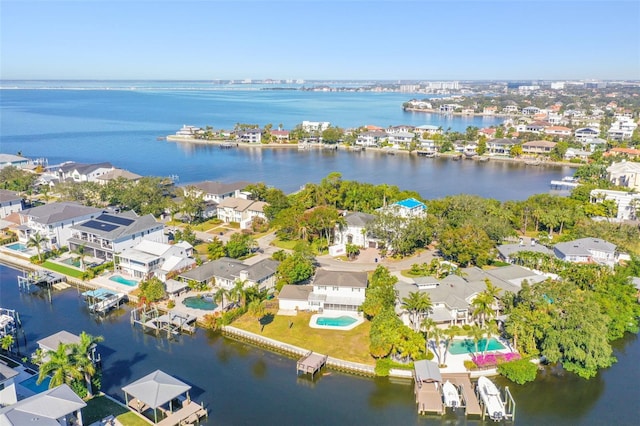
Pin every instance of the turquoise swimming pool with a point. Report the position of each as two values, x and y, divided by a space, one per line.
204 302
468 346
17 247
343 321
122 280
31 384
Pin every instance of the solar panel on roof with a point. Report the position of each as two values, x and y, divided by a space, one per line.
100 226
124 221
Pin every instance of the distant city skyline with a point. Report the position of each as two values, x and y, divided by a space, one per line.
320 40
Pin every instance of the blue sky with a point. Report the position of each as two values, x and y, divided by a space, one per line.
309 39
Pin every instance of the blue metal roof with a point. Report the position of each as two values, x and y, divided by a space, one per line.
410 203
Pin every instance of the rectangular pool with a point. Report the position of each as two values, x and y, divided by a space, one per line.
17 247
31 384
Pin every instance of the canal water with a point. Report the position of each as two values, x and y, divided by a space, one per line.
245 385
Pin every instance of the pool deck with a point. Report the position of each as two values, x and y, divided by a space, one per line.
455 363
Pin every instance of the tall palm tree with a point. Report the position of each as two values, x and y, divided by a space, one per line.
81 355
60 366
417 304
238 291
476 333
489 329
449 334
80 251
482 307
37 240
427 325
220 295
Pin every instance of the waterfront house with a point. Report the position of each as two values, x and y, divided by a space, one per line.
530 110
294 297
152 258
315 126
625 173
110 233
225 272
57 406
501 146
452 296
241 211
53 221
488 132
280 136
595 144
354 230
402 128
400 138
218 191
587 250
628 203
427 145
428 128
16 161
189 131
63 337
338 291
560 131
117 174
572 153
10 202
8 394
253 136
79 172
538 147
630 153
371 139
510 109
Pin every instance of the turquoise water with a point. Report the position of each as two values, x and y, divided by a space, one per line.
122 280
204 303
72 262
17 247
468 346
342 321
31 384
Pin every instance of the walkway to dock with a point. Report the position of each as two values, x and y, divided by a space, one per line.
463 383
190 413
429 398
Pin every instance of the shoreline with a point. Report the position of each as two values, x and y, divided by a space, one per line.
461 114
319 146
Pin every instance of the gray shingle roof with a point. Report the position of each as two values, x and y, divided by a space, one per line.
229 268
340 278
358 219
508 250
585 245
6 196
59 212
84 169
42 409
295 292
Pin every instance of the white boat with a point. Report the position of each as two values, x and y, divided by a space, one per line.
451 396
491 399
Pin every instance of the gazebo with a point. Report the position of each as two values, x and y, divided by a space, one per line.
153 391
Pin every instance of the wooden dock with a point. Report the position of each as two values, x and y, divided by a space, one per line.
429 398
172 322
311 363
466 390
31 281
189 414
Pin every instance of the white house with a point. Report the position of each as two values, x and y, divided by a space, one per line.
16 161
56 406
401 138
406 208
151 258
117 174
315 126
110 233
338 291
241 211
226 272
585 134
625 173
250 136
10 202
371 138
54 221
218 191
78 172
8 394
587 250
354 231
501 146
628 202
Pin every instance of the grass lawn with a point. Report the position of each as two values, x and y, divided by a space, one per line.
100 407
287 245
206 226
131 419
350 345
63 269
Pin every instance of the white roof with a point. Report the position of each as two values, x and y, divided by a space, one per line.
42 409
156 388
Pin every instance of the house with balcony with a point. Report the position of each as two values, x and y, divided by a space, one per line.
338 291
585 134
110 233
54 222
315 126
628 203
501 146
354 230
530 110
213 191
371 139
10 202
587 250
189 131
241 211
428 128
559 131
226 272
538 147
253 136
402 128
401 138
154 259
625 173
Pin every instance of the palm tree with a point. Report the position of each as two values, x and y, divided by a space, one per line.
238 292
476 333
7 342
427 325
449 334
82 356
220 295
37 240
60 366
490 329
482 307
417 304
80 251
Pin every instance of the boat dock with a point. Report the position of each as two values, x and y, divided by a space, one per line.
189 414
311 363
173 322
428 154
101 300
9 323
31 281
507 400
567 183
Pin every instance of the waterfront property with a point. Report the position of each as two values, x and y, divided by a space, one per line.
311 363
354 230
241 211
204 302
342 322
226 272
63 337
8 394
79 172
101 300
152 258
587 250
166 397
57 406
468 346
627 203
625 173
172 323
122 280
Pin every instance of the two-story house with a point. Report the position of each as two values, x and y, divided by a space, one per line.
10 202
78 172
110 233
217 191
538 147
241 211
373 138
54 222
152 258
407 208
354 230
501 146
625 173
226 272
250 136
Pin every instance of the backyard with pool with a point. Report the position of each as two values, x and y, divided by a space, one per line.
468 346
121 280
342 322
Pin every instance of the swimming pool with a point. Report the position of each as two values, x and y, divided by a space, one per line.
468 346
17 247
204 302
122 280
31 384
343 321
71 262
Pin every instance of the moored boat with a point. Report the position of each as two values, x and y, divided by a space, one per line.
491 398
450 394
